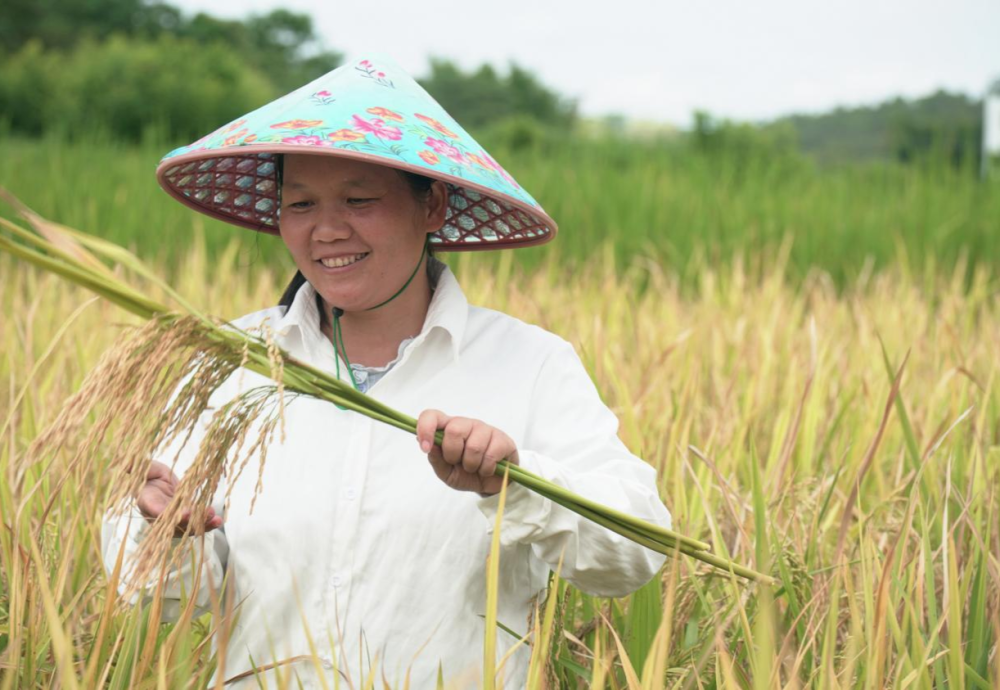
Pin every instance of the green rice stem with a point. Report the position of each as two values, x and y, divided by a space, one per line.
300 377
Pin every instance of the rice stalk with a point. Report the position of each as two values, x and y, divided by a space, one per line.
155 384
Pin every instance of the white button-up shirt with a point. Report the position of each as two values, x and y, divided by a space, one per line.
385 559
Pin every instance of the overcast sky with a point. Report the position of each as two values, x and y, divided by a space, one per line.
662 60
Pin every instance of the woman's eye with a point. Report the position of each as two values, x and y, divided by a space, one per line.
359 200
299 204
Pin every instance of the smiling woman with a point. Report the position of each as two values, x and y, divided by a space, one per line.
420 187
353 229
360 536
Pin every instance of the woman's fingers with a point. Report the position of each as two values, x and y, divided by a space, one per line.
427 425
467 457
153 500
501 447
161 475
212 521
155 496
443 470
456 431
475 447
209 522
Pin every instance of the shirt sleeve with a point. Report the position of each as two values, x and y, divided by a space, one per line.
573 441
198 570
200 563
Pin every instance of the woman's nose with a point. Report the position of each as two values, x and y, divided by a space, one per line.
331 224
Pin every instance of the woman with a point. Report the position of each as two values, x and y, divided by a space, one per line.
354 541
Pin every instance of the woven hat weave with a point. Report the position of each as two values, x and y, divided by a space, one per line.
369 110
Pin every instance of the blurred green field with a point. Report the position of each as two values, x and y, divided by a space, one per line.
663 200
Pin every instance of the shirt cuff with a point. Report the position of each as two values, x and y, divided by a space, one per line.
141 527
525 513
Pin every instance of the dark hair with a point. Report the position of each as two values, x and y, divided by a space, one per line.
420 185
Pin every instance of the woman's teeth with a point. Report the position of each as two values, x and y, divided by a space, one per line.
339 261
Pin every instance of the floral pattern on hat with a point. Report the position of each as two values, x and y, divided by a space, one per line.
323 97
296 124
370 71
377 128
369 109
385 114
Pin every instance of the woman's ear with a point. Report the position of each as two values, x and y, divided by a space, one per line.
437 206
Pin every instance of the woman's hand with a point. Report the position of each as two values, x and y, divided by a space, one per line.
158 491
468 455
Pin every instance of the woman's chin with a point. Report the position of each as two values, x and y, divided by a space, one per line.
347 291
346 300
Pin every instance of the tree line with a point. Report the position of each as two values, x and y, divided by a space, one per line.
131 68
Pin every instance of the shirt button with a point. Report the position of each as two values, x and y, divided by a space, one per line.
336 580
351 494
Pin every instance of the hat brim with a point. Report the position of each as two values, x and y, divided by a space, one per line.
236 185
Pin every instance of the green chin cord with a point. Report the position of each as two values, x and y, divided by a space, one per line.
338 335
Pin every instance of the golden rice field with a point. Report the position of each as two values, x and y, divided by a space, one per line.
844 439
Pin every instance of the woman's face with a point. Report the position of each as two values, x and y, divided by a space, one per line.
354 229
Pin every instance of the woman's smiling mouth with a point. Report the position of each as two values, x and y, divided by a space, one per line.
342 261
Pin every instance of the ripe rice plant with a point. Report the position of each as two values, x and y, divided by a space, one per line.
787 424
156 383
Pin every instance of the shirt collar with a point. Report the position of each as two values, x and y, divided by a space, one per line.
448 311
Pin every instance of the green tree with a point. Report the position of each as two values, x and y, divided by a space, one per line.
282 45
288 49
942 124
484 97
713 136
942 127
120 86
61 24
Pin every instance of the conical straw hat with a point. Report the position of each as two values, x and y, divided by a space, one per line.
369 110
